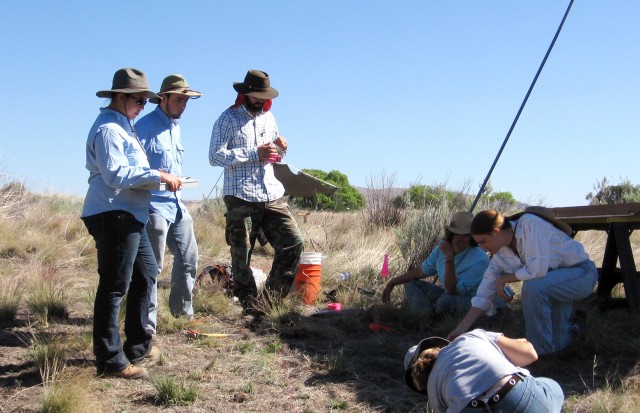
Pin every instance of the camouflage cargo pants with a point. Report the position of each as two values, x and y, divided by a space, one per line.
244 220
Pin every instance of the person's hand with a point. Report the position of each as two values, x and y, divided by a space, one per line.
267 151
455 333
281 143
386 293
172 182
500 283
447 249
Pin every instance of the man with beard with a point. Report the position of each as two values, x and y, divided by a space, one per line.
170 223
245 142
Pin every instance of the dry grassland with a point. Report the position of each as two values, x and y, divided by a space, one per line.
292 362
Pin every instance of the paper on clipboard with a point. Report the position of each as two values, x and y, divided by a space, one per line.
187 182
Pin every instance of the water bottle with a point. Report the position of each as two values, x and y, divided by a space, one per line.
343 276
508 291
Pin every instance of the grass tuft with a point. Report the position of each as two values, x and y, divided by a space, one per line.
50 357
11 292
172 392
48 301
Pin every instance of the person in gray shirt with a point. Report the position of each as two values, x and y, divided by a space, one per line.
480 371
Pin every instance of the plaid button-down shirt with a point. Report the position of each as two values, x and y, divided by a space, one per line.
234 145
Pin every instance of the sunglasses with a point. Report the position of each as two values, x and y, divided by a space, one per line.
139 101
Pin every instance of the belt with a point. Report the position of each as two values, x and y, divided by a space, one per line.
499 395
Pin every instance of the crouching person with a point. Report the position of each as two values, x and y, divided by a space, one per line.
480 371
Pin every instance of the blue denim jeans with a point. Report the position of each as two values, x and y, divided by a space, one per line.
126 266
531 395
429 297
181 240
547 303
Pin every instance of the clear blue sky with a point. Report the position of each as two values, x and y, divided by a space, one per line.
424 90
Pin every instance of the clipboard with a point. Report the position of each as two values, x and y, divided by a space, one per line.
187 182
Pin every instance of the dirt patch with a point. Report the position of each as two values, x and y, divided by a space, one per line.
292 362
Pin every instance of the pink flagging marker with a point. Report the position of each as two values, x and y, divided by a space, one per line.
385 267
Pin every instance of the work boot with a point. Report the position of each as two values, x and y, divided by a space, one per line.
129 372
254 306
151 357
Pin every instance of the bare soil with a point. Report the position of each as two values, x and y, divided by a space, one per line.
292 362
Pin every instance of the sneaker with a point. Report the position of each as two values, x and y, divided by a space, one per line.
129 372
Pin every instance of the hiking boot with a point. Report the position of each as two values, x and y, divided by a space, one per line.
253 306
151 357
129 372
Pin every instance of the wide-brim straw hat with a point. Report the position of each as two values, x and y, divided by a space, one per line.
546 214
128 80
414 352
460 223
256 84
178 85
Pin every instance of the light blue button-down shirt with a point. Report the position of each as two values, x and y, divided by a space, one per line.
117 166
161 139
470 265
234 146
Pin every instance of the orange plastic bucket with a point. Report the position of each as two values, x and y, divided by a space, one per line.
307 281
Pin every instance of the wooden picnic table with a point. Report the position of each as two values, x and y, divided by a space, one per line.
619 221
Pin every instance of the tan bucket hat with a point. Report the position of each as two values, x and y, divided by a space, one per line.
176 84
460 223
128 80
257 84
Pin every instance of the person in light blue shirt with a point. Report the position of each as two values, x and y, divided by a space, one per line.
459 265
115 212
170 224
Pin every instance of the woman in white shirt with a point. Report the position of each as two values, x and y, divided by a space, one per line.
535 248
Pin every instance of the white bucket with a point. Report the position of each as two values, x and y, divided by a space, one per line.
314 258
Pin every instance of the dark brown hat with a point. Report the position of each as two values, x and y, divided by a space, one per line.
256 83
128 80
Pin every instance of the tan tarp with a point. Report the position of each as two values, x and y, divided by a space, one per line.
300 183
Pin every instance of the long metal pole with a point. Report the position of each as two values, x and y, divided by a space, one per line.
524 102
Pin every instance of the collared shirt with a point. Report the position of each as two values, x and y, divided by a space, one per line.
541 248
234 146
160 137
117 166
470 264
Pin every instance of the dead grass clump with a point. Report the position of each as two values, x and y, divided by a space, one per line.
11 292
211 301
49 354
13 196
70 393
48 300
